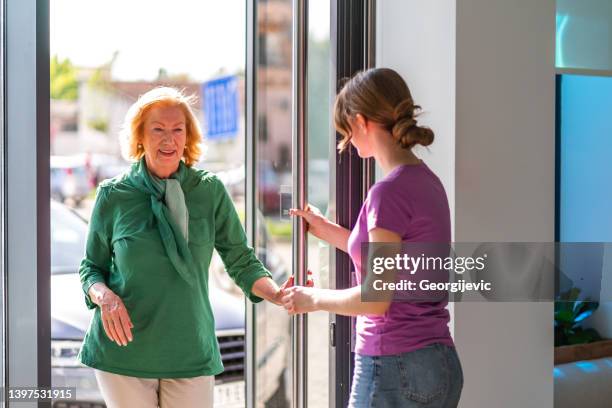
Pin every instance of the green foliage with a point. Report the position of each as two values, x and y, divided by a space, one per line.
97 80
98 124
570 313
64 84
280 229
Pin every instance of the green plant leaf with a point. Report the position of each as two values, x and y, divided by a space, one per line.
564 317
594 334
581 336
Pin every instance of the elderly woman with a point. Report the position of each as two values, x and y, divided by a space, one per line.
153 229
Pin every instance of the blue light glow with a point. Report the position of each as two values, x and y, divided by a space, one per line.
587 366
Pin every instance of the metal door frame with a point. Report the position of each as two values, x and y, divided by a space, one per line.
299 162
353 40
25 205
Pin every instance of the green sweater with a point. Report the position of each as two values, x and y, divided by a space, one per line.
174 329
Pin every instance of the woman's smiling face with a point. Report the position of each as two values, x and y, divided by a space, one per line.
164 138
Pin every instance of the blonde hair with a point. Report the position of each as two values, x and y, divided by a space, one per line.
132 130
380 95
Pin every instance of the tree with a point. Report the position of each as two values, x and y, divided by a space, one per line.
64 83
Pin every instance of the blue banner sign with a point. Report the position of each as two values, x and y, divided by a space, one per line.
221 111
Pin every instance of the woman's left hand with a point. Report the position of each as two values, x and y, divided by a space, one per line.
299 299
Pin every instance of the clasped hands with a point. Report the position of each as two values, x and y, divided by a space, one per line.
297 299
302 299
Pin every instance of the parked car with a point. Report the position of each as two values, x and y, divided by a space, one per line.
71 178
106 165
70 320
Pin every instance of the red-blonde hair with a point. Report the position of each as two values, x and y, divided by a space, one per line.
132 130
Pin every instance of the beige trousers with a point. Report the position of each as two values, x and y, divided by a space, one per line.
122 391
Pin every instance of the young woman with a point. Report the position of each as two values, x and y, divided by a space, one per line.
404 354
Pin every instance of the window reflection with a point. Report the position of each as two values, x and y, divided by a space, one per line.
584 34
273 163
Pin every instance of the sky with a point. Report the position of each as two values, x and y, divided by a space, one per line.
197 37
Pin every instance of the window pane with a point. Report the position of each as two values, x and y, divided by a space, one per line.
273 196
586 147
319 143
584 34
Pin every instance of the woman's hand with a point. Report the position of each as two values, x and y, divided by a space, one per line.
115 319
314 219
322 228
276 299
289 283
300 299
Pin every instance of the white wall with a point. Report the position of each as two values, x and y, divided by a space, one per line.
417 39
484 71
602 318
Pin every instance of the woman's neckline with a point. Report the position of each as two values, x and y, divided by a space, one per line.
406 165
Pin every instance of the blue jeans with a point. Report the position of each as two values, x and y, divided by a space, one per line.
430 377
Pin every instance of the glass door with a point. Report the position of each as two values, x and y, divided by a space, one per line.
268 172
288 143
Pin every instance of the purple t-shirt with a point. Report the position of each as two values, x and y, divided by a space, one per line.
410 201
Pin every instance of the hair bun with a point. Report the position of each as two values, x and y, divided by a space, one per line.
405 109
381 96
405 130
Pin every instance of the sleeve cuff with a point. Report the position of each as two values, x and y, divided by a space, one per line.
249 280
389 226
86 285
